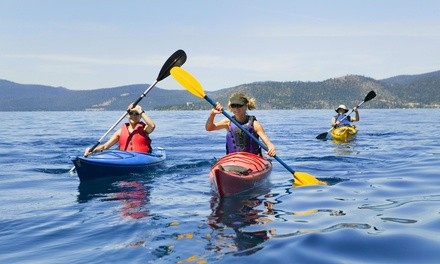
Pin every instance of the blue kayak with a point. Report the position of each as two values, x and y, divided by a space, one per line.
116 162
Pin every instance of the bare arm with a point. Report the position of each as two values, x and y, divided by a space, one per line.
113 140
150 125
333 122
356 118
210 125
260 132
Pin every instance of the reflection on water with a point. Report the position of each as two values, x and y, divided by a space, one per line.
345 148
133 195
229 218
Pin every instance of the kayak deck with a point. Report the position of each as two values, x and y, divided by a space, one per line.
116 162
238 172
344 133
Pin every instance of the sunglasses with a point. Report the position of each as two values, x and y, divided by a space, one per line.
236 106
134 114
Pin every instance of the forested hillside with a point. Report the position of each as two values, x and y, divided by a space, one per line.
405 91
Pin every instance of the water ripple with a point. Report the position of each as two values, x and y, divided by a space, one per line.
381 201
394 203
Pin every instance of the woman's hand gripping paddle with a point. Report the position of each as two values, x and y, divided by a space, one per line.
178 58
193 86
369 96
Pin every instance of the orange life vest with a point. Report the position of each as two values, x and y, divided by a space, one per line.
137 140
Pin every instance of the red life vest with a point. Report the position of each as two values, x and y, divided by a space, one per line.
137 140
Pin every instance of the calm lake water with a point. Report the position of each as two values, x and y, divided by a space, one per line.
382 204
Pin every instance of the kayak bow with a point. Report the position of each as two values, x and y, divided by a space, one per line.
116 163
344 133
238 172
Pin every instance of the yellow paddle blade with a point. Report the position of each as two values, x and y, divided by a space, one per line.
187 81
305 179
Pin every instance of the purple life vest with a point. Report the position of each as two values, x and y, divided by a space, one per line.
239 141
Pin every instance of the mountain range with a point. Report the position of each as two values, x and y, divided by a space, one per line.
403 91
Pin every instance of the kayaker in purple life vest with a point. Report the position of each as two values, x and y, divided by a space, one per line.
237 140
132 136
341 120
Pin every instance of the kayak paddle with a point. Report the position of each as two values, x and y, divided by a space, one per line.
193 86
369 96
178 58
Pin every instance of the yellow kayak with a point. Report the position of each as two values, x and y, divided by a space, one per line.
344 133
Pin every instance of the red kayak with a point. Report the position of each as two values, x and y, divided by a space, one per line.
238 172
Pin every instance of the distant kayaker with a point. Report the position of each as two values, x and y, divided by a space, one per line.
132 136
237 140
341 119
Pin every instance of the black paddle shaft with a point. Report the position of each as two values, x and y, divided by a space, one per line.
178 58
368 97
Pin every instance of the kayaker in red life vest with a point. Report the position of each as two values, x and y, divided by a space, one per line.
237 140
341 120
132 136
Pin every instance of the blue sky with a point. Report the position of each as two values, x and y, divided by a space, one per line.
90 44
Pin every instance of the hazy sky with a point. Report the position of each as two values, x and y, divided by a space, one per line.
90 44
